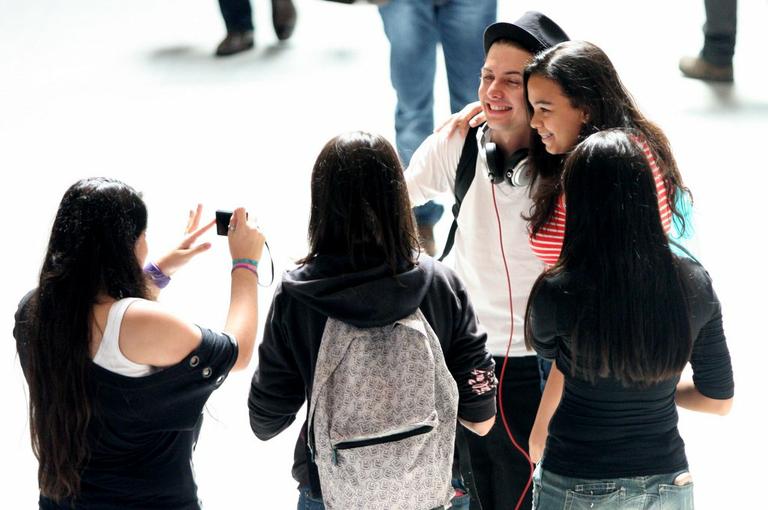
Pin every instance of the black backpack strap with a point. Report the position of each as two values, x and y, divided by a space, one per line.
313 477
465 173
465 467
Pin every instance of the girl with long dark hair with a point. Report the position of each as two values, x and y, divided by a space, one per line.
573 90
622 316
116 383
363 268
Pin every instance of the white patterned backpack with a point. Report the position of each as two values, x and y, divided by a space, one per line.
382 419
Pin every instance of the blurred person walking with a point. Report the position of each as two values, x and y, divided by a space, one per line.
238 19
715 61
414 29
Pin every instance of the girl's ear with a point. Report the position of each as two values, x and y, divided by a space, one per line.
584 117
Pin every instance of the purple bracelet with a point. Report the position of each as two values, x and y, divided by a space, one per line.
160 279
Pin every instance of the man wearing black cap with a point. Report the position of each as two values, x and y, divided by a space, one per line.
497 150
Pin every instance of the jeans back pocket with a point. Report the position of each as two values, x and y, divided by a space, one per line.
676 497
595 496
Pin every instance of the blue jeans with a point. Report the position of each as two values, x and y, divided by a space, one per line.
654 492
307 502
545 367
414 29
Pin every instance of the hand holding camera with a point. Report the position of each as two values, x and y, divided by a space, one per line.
246 242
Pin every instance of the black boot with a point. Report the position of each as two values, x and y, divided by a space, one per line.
235 42
283 18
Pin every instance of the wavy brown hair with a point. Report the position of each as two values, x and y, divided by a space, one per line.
589 80
91 253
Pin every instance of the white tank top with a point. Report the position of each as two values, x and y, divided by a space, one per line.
109 355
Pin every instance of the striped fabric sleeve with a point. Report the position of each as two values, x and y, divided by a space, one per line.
665 211
548 242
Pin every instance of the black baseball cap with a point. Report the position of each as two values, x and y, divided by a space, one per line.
533 31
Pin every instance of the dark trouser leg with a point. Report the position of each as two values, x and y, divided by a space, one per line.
719 32
237 15
500 471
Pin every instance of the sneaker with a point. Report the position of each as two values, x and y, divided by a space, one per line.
283 18
235 42
700 69
427 239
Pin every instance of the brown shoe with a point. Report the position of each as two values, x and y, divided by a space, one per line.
235 42
283 18
427 239
700 69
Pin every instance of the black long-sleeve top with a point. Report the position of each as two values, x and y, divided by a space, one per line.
331 286
606 430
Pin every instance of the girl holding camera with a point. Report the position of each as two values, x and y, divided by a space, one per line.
117 383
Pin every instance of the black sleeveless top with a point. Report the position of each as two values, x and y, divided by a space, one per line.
144 429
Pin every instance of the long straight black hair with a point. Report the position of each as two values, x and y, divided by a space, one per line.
360 205
589 80
632 321
91 253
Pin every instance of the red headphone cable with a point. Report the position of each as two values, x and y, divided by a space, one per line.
506 357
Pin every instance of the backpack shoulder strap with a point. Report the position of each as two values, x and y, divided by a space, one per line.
465 173
333 345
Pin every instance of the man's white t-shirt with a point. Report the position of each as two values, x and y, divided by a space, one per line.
477 256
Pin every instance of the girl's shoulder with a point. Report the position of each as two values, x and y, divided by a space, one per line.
694 275
152 335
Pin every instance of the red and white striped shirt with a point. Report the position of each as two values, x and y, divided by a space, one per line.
548 243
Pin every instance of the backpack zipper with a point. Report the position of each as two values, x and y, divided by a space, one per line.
370 441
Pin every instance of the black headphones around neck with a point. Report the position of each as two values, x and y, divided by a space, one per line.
500 167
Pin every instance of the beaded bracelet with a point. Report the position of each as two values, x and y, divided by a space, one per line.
251 262
160 279
249 267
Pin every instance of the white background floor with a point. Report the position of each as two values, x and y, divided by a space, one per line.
130 90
